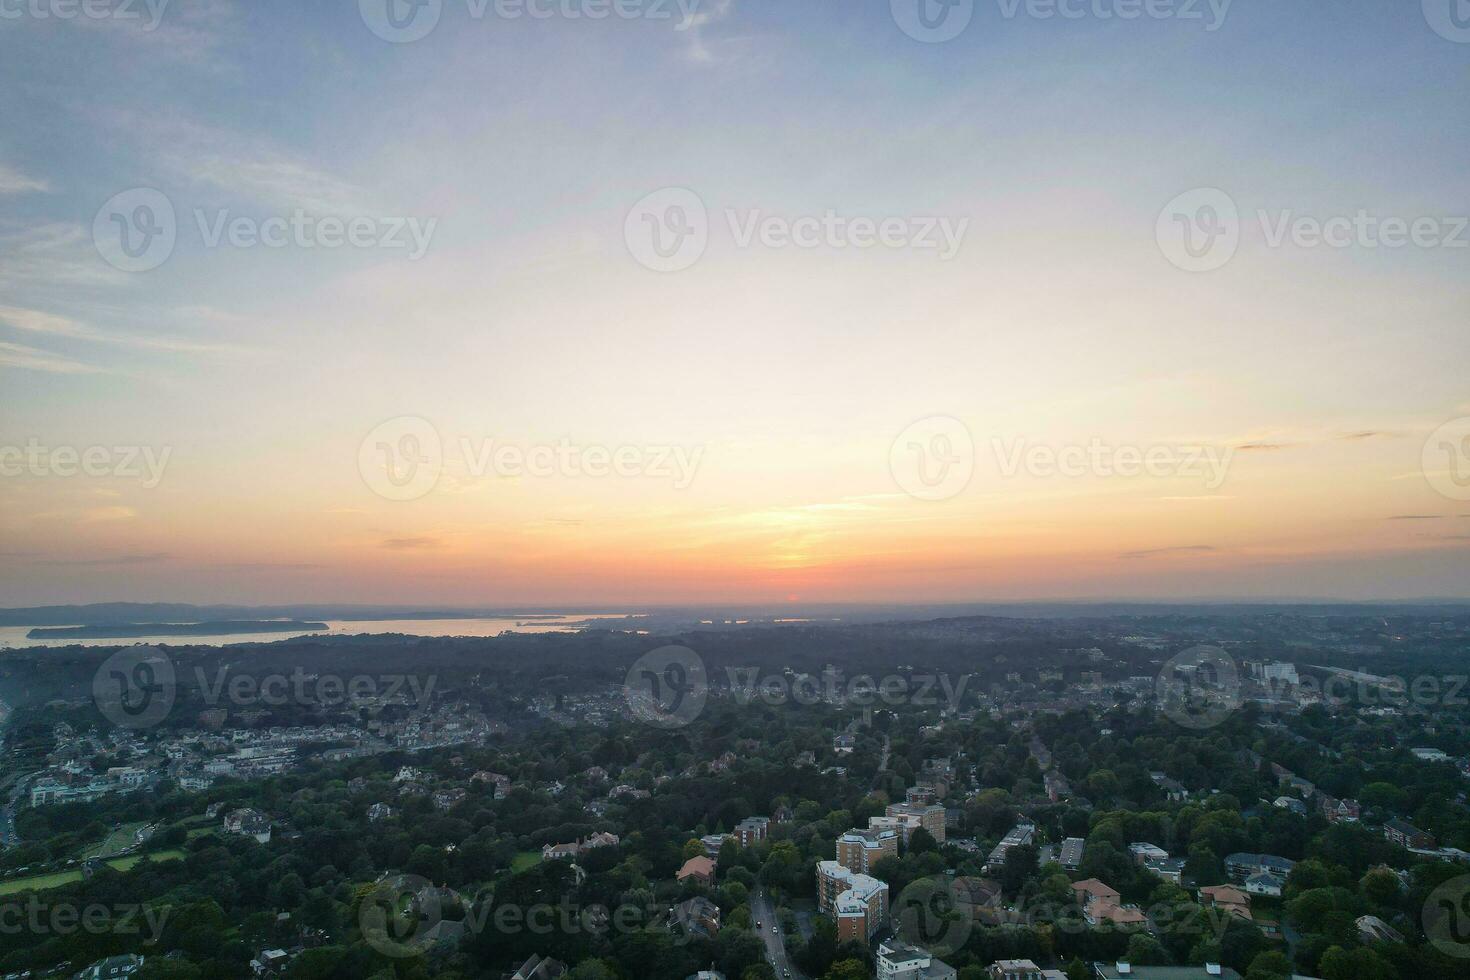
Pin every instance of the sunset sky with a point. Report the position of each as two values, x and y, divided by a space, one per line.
787 372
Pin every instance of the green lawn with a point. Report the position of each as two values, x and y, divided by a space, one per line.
39 882
524 860
126 863
116 841
59 878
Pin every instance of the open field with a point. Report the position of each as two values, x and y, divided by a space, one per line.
58 878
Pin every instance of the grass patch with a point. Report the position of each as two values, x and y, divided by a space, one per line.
127 863
58 878
524 860
39 882
115 842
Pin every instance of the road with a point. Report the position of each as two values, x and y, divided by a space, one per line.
8 837
761 911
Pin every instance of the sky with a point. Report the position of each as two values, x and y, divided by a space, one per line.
734 301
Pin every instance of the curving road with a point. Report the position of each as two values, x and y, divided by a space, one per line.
762 911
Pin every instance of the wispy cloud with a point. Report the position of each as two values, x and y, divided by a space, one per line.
186 31
54 254
149 558
36 321
698 49
1186 549
12 181
31 359
412 544
243 164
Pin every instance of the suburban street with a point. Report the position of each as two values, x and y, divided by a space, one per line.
8 836
762 911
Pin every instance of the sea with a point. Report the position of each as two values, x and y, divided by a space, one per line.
14 637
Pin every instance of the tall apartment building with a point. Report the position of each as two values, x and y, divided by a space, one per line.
856 902
931 817
860 850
